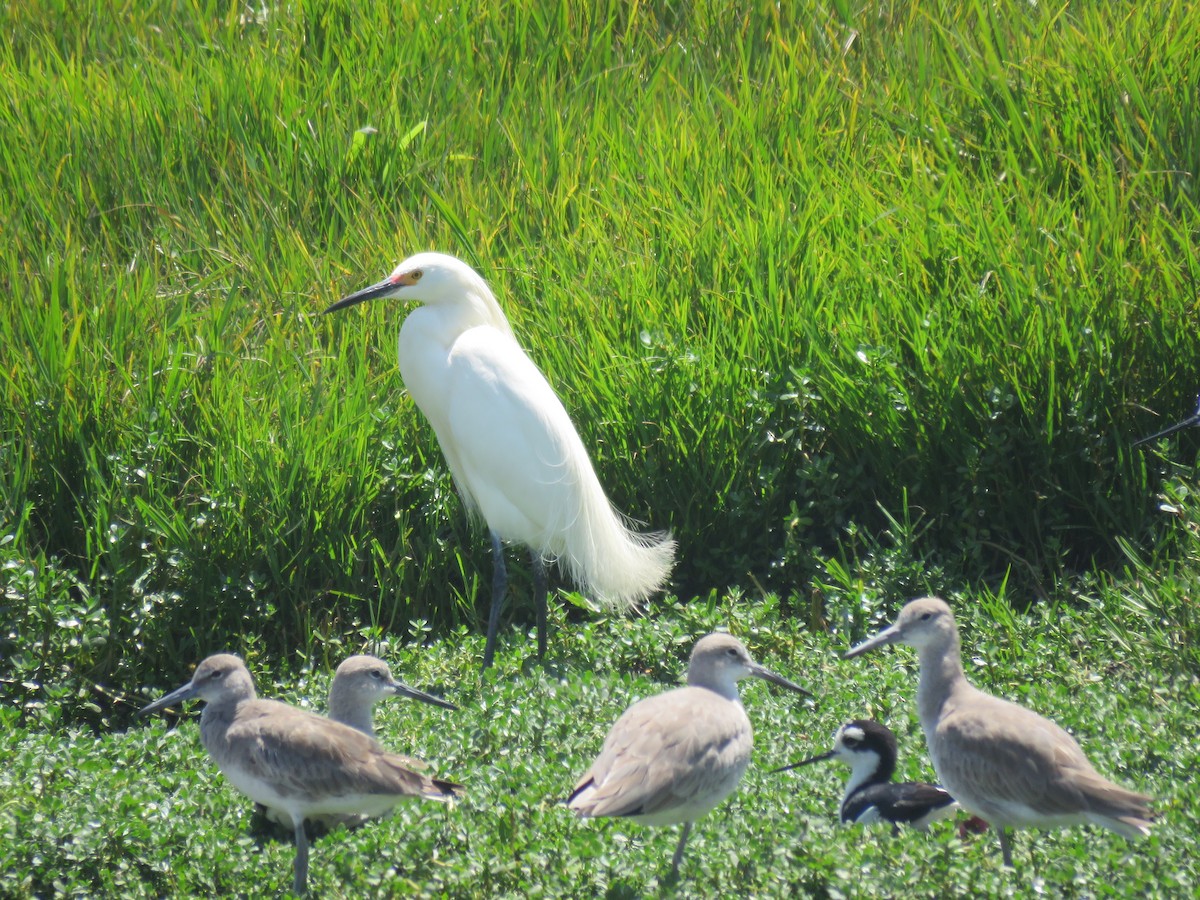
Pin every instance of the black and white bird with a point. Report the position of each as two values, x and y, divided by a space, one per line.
869 749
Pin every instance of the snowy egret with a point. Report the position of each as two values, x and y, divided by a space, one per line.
291 759
869 749
673 757
511 447
999 760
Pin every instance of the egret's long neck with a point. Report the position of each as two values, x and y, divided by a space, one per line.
483 308
433 328
941 675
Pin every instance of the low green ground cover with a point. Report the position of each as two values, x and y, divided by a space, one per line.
143 812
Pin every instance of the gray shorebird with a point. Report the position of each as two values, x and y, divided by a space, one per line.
294 760
362 681
1001 761
513 451
358 684
674 756
869 749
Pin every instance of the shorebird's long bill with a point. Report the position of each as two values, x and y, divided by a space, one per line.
767 675
176 696
804 762
1193 419
405 691
887 636
382 289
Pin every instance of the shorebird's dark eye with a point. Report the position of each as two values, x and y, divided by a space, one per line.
376 674
926 616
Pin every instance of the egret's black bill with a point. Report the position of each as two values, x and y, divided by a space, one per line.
370 293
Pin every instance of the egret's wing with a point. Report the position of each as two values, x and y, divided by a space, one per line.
520 464
519 453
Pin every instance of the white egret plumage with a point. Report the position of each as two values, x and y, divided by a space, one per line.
513 451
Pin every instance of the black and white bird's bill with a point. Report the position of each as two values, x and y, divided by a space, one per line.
804 762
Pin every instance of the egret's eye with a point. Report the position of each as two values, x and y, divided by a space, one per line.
415 275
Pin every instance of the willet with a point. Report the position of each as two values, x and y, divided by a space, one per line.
674 756
999 760
512 449
291 759
869 749
358 684
362 681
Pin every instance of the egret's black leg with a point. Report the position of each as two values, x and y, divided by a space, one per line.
540 589
499 586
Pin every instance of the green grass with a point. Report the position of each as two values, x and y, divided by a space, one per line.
862 302
794 271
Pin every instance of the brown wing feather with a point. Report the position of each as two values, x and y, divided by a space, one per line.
1009 753
654 759
297 751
